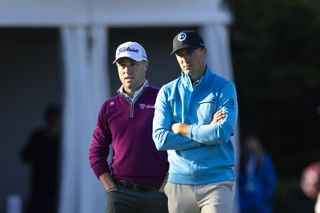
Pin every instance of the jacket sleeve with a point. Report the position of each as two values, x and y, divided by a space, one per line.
164 138
221 132
99 149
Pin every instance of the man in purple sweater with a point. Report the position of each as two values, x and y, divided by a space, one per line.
135 179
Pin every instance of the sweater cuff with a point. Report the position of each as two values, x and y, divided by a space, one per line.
100 167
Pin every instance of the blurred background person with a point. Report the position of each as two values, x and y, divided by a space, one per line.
257 177
310 183
42 152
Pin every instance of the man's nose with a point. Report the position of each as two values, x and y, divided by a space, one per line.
185 59
127 69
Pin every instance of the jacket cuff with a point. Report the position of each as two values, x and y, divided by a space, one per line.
192 131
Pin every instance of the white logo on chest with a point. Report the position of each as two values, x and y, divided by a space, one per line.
146 106
142 106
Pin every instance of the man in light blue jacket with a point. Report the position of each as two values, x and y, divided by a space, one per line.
195 116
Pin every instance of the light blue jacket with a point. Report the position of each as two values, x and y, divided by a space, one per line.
207 154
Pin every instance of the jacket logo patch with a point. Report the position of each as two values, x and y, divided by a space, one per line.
146 106
142 106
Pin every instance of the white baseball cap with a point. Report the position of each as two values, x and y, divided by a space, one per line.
131 50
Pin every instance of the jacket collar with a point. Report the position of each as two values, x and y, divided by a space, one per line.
136 94
186 81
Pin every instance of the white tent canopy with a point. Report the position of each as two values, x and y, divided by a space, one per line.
85 68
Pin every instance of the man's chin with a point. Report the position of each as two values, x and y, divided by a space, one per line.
187 71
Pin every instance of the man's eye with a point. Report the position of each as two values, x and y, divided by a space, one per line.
124 65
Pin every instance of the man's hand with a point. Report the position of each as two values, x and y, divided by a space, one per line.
218 116
180 128
107 182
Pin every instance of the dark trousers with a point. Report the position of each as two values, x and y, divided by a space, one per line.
130 201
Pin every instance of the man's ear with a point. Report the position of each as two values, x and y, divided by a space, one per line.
204 51
146 65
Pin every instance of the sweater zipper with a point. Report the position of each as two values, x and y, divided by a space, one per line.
133 103
132 110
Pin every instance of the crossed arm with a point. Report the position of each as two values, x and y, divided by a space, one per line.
183 136
183 129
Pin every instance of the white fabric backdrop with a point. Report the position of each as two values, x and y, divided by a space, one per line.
216 37
84 51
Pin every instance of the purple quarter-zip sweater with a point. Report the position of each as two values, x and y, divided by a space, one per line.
128 128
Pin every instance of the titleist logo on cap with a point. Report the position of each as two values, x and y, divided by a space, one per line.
127 49
131 49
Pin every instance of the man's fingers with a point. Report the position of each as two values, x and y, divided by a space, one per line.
218 116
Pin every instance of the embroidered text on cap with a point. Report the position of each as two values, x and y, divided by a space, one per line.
132 50
127 49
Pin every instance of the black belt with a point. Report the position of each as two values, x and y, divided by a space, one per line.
136 187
